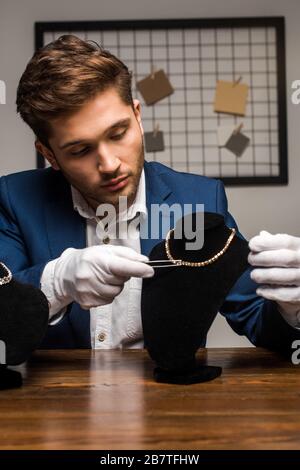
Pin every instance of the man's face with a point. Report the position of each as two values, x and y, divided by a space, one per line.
99 148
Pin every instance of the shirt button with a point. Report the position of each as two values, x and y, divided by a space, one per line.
106 240
101 337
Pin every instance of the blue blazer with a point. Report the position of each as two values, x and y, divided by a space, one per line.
38 222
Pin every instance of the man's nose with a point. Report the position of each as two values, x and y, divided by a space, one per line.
107 161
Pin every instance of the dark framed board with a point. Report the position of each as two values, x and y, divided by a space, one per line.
196 54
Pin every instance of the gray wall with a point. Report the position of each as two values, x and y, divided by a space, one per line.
256 208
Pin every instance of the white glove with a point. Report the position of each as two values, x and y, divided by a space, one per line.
279 257
94 276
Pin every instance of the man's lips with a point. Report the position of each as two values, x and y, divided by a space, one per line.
116 183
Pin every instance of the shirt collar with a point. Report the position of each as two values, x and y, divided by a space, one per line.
138 205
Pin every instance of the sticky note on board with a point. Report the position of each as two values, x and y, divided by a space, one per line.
237 143
154 141
155 87
231 98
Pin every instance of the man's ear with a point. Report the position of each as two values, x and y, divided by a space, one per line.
137 112
47 154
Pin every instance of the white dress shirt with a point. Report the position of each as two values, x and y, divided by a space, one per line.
118 324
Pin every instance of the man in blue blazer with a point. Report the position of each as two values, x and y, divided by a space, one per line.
77 100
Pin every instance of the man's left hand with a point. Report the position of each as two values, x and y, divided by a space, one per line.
278 258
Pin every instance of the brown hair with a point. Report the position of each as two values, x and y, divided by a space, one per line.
62 76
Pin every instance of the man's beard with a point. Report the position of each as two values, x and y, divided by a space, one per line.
109 198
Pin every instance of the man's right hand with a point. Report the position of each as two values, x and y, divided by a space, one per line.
94 276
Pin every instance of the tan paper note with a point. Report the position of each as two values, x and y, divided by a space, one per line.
231 98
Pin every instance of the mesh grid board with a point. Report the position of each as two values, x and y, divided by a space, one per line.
195 54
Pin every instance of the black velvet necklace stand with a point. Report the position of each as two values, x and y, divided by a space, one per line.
180 303
24 314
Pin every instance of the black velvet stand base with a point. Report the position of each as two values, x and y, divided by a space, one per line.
24 314
179 304
9 378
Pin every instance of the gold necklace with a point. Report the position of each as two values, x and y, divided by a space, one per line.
198 264
5 279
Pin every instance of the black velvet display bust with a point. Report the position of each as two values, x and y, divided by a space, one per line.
24 314
180 303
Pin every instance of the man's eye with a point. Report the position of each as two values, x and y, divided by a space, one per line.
81 152
118 136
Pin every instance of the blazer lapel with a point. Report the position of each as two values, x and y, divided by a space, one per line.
157 192
65 227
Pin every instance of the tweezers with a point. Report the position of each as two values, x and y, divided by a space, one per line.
163 263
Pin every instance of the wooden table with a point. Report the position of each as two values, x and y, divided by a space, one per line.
84 399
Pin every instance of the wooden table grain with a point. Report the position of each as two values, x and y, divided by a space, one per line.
85 399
